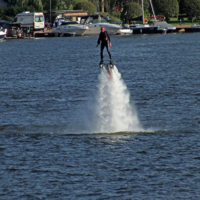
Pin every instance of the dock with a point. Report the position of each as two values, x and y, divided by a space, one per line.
186 29
50 34
39 34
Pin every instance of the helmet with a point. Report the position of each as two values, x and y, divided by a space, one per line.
103 29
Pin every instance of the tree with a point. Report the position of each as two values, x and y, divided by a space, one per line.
146 5
11 12
95 2
46 5
180 2
30 5
11 2
37 4
191 8
88 6
168 8
131 10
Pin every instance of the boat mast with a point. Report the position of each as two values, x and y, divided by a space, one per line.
142 13
152 11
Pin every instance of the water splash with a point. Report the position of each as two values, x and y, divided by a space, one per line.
111 110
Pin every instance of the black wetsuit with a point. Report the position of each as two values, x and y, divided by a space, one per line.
104 37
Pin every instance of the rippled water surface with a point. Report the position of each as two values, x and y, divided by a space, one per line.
50 144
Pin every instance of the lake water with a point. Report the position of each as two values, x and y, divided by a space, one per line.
69 131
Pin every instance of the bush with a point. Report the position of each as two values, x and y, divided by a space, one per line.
87 6
112 17
116 14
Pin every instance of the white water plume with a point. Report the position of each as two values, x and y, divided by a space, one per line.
112 111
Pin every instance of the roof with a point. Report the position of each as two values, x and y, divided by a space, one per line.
68 11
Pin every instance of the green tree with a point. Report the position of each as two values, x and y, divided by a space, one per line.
46 5
11 2
36 4
131 10
191 8
30 5
180 2
88 6
95 2
66 4
168 8
11 12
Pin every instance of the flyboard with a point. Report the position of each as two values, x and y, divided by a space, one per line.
107 66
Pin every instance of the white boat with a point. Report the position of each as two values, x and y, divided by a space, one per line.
124 30
70 27
195 26
2 34
95 22
165 26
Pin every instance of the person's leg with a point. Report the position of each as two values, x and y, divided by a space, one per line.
108 52
102 47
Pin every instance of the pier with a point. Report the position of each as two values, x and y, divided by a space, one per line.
186 29
48 33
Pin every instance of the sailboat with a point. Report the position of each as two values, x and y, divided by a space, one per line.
163 27
144 28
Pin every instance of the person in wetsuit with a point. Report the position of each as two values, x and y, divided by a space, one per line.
104 38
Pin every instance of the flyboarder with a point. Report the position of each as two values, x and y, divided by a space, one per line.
104 38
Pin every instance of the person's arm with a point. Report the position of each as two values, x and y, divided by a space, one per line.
98 42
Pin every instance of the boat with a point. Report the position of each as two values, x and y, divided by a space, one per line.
195 26
164 26
70 27
144 28
2 33
124 30
95 22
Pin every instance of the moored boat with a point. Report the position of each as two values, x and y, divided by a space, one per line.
95 22
124 30
70 27
163 25
195 26
143 28
2 33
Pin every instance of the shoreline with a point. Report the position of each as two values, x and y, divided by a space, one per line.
48 33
